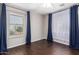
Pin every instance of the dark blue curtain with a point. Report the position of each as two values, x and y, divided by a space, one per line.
28 37
49 36
74 28
3 34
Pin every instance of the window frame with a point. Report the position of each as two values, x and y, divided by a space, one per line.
23 18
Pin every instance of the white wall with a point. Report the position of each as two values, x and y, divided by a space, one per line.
45 26
60 26
36 28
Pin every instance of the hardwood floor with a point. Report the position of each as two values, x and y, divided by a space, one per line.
42 47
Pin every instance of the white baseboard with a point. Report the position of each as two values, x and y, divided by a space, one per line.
55 40
16 45
62 41
9 47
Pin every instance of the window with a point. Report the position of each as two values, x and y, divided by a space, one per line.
60 25
16 25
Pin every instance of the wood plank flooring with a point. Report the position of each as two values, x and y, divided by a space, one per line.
42 47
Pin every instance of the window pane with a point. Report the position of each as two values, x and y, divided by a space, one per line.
12 30
19 29
16 19
15 25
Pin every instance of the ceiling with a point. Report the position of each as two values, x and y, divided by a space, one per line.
42 8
